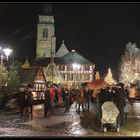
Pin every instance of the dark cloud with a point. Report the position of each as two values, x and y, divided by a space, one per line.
17 31
28 36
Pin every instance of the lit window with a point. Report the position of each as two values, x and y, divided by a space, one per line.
65 76
90 67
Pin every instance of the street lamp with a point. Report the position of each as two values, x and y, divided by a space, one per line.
76 67
7 52
1 56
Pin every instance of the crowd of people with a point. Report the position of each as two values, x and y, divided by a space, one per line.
123 97
56 96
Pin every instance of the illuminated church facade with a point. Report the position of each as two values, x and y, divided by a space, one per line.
73 67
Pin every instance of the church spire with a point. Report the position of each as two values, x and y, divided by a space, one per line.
47 9
26 64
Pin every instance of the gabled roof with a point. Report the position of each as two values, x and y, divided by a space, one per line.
28 75
62 50
52 74
73 57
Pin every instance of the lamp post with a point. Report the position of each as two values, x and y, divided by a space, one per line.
7 52
1 59
1 56
76 67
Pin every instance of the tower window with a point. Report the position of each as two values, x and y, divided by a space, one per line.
45 33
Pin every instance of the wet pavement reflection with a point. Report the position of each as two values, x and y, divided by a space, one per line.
63 122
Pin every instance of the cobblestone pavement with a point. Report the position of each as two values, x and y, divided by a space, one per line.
63 123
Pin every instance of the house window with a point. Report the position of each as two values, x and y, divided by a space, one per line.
87 77
90 68
65 77
73 77
81 76
70 77
87 68
62 68
90 76
45 33
70 68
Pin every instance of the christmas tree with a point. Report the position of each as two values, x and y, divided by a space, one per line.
97 75
129 65
109 78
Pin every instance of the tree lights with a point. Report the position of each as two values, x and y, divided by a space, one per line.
130 64
109 79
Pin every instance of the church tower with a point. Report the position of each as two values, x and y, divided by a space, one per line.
45 34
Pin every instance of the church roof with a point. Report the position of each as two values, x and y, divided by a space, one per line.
71 57
62 50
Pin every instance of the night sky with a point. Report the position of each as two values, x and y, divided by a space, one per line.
98 31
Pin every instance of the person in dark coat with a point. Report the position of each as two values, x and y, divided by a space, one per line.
56 96
100 101
115 95
30 98
73 94
67 98
21 99
63 94
121 103
108 95
101 98
47 102
87 95
71 99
